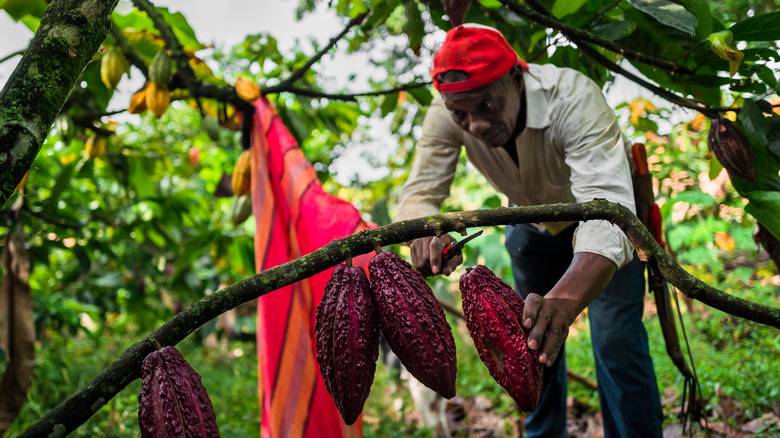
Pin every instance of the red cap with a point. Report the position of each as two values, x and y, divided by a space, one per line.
480 51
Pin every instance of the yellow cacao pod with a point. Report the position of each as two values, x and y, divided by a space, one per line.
242 174
246 90
112 67
160 69
96 146
158 99
138 101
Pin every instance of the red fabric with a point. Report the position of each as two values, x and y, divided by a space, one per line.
481 51
294 216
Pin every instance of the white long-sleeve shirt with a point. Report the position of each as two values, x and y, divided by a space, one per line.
572 150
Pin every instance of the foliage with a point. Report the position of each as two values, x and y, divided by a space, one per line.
121 241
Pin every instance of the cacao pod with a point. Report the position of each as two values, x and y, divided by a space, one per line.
456 10
65 127
138 101
96 146
112 67
242 173
158 99
347 336
160 69
247 90
493 313
413 322
242 209
732 148
211 126
173 401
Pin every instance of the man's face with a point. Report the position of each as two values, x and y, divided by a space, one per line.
490 113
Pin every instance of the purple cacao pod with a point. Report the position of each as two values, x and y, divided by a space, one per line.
493 312
732 148
173 402
347 336
413 322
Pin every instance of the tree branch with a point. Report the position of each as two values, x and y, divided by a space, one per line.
77 408
128 50
298 73
11 55
70 33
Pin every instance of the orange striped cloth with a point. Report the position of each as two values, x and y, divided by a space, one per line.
294 216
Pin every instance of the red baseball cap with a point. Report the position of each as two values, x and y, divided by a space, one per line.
480 51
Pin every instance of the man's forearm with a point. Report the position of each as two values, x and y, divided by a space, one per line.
588 274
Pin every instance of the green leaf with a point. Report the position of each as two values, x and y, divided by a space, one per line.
182 29
773 137
18 9
491 4
715 168
695 198
763 27
765 207
139 178
414 27
422 95
755 125
701 10
614 30
767 75
668 13
562 8
389 103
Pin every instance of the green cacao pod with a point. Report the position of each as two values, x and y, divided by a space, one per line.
112 67
413 321
160 69
347 337
65 127
173 402
493 313
211 126
242 209
732 148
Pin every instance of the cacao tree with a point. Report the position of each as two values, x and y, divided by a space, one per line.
100 184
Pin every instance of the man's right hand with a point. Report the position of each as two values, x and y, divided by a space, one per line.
426 255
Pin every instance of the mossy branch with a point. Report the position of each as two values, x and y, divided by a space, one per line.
75 410
70 33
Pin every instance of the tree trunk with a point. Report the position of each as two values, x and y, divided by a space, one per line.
70 33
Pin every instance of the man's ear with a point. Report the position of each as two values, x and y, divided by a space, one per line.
517 76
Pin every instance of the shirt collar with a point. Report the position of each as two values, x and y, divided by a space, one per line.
538 113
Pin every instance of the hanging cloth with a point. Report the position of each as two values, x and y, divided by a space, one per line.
294 216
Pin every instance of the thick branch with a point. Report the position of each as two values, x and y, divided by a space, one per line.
70 33
72 412
548 20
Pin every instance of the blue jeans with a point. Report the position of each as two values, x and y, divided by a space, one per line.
628 391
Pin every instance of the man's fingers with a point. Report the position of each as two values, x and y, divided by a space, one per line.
553 342
533 302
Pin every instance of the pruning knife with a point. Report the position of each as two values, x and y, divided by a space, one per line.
455 248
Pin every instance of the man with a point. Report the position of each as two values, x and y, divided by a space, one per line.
540 135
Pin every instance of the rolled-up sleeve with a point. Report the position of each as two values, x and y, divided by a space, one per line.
434 166
594 149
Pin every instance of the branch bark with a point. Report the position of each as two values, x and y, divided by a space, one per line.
70 33
77 408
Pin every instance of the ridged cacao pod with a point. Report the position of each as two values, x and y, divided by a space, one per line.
247 90
242 174
413 322
96 146
173 402
160 69
732 149
493 312
112 67
242 209
65 127
138 101
158 99
347 336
